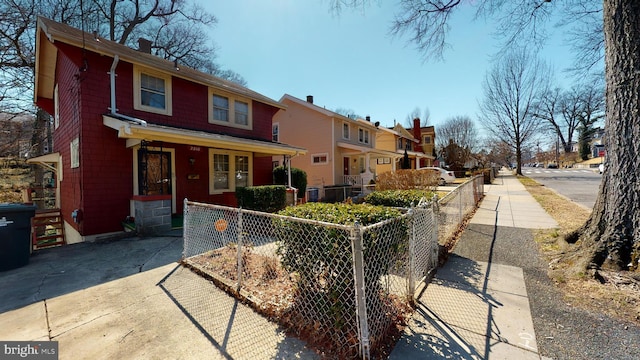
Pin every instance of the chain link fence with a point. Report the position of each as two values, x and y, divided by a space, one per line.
456 206
343 289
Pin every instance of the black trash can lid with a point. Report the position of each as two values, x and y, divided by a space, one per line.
13 207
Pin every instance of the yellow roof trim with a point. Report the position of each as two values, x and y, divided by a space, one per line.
150 132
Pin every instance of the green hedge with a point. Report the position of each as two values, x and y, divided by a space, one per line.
397 198
298 179
321 258
269 198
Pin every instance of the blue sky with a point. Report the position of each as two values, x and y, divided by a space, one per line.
350 61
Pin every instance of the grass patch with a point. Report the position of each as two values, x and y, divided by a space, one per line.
616 294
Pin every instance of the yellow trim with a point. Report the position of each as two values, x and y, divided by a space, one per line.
137 102
131 130
232 113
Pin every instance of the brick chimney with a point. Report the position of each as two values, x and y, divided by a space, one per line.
144 45
310 99
416 134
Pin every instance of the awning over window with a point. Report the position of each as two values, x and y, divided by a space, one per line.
139 130
361 150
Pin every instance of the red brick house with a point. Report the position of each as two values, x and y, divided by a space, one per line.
135 134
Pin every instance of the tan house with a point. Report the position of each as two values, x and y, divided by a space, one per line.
340 150
398 140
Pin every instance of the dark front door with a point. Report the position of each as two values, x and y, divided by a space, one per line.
154 172
345 162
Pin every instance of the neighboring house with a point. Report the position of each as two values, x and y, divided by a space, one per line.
427 137
398 140
340 150
135 134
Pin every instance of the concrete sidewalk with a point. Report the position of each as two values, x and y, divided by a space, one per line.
475 309
130 299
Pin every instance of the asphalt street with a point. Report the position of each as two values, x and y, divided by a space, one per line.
579 185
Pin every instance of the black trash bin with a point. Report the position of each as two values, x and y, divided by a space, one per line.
15 235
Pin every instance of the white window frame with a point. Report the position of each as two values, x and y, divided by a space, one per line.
56 107
363 136
232 170
275 132
232 110
319 156
137 91
74 149
347 127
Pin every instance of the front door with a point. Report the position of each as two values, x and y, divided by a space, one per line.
345 161
154 174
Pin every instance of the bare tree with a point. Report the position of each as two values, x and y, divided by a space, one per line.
459 129
457 140
611 236
510 90
416 114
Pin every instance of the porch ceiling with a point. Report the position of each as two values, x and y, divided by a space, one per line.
151 132
361 150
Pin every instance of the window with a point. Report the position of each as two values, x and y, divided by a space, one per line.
408 145
275 132
229 169
152 91
426 139
56 108
363 136
345 131
320 159
220 108
74 147
399 143
225 109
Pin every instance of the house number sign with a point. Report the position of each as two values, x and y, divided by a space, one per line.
194 148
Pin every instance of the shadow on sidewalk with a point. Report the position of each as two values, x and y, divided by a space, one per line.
234 329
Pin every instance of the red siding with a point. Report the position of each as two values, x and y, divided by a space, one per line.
103 184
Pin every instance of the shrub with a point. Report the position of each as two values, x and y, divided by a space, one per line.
398 198
407 180
298 178
269 198
321 258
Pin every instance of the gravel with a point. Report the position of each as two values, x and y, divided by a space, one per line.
562 330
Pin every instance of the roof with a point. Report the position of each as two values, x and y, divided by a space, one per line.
324 111
57 32
136 130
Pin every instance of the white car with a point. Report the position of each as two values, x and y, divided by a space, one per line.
601 168
446 176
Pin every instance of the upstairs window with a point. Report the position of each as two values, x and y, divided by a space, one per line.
363 136
226 109
399 147
426 139
152 91
345 131
275 132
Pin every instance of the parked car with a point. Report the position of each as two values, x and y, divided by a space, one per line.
552 166
446 176
601 168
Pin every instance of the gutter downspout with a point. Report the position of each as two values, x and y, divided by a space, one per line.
112 81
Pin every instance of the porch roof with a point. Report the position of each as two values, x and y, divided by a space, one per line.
50 161
136 129
374 153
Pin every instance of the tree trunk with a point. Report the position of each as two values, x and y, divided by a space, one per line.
612 233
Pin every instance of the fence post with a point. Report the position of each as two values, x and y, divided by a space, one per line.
239 230
361 298
435 209
412 252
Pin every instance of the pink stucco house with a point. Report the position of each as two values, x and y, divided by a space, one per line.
340 150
